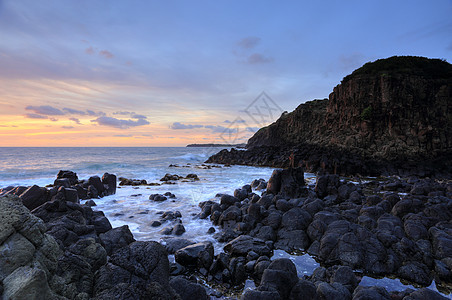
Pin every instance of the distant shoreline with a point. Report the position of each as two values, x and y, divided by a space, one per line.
217 145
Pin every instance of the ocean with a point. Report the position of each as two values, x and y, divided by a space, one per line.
131 205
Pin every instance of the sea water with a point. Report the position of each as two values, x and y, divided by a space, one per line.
131 205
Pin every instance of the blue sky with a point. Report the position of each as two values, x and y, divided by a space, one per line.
195 63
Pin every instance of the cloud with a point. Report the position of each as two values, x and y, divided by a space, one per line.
123 113
93 113
132 114
119 123
177 125
53 119
89 50
258 58
67 127
221 129
35 116
249 42
135 116
106 54
77 121
45 110
74 111
123 135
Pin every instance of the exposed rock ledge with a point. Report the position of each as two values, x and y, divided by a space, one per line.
390 116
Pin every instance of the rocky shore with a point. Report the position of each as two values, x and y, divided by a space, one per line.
389 117
53 247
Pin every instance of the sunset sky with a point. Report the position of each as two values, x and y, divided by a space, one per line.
170 73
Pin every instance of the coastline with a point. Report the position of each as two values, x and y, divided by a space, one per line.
289 216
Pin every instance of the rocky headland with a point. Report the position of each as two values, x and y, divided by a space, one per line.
391 116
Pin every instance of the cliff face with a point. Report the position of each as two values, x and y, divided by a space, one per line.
402 113
388 116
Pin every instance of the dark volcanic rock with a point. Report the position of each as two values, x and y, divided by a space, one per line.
389 116
243 244
280 275
188 290
200 254
116 238
287 182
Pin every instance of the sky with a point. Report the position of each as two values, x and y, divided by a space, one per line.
171 73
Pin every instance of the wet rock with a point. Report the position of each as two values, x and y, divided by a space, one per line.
116 238
109 181
241 194
273 219
188 290
169 177
243 244
228 200
374 292
424 293
64 182
415 272
71 176
173 244
290 240
260 295
139 262
29 256
326 185
157 197
287 182
280 275
34 196
178 229
92 252
90 203
156 223
345 276
303 290
200 255
193 177
97 183
441 242
332 291
169 195
27 283
296 219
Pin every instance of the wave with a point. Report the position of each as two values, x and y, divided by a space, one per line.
199 157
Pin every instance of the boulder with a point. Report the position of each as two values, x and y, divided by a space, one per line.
280 275
116 238
200 255
34 196
373 292
287 182
303 290
109 181
188 290
243 244
97 183
72 176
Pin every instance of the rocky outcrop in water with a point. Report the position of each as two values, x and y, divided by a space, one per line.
388 115
65 250
391 227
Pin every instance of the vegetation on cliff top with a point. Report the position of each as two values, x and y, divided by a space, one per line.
410 65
